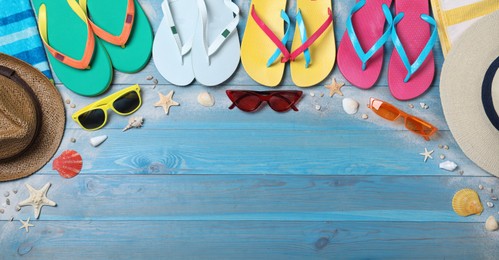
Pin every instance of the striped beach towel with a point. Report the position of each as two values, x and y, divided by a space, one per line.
19 34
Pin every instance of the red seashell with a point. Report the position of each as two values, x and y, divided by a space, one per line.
68 164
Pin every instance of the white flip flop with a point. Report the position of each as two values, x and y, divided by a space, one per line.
173 41
216 49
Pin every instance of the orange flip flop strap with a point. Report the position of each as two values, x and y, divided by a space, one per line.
84 62
125 32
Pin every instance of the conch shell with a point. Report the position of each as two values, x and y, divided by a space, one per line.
466 202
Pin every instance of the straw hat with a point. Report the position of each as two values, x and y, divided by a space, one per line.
32 119
470 70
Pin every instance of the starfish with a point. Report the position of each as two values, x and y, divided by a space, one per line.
26 225
166 102
335 88
427 154
37 199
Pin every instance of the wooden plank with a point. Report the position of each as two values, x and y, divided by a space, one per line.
341 10
341 152
247 240
191 115
250 197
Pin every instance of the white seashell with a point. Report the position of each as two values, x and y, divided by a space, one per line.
350 106
480 186
490 204
134 122
98 140
422 105
317 107
365 116
442 156
448 165
312 94
491 224
206 99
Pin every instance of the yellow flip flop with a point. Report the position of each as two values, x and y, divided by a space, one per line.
313 54
265 28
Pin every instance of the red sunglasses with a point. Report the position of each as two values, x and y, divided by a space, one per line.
249 101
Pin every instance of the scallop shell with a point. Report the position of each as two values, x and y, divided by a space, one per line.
466 202
68 164
206 99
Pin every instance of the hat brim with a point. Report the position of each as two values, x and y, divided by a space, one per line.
461 92
52 128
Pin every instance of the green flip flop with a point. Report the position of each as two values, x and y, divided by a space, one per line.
76 57
124 30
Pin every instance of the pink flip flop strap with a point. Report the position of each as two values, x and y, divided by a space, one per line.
312 38
269 33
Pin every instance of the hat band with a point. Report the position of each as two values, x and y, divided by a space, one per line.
12 75
488 103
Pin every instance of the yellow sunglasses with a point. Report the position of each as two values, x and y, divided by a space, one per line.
123 102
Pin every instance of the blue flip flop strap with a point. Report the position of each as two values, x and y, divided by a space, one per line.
412 68
303 36
284 40
365 56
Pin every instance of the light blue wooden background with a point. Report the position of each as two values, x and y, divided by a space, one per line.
221 184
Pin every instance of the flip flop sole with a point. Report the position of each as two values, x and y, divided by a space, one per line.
256 46
110 16
368 24
414 34
68 34
322 51
166 54
223 63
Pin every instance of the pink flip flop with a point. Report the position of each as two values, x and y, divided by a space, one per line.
365 31
412 65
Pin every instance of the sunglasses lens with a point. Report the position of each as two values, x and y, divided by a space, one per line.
282 102
245 101
92 119
386 110
418 126
127 103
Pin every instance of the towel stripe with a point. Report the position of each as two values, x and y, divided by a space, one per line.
8 39
16 17
21 45
35 56
42 66
19 35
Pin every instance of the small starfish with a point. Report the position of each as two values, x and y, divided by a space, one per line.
26 225
427 154
37 199
335 88
166 102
